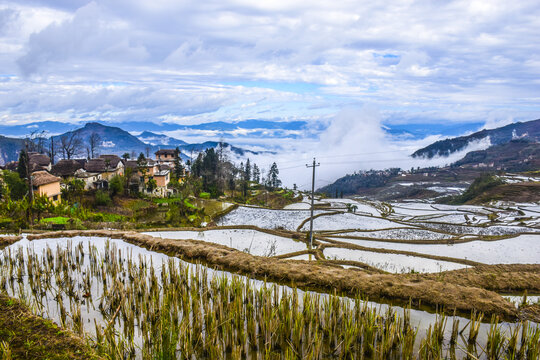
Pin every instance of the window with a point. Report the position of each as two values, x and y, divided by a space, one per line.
55 197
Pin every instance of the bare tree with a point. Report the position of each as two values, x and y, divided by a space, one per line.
70 145
93 145
147 150
52 151
36 141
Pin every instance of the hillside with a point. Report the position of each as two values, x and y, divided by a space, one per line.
9 149
528 130
516 155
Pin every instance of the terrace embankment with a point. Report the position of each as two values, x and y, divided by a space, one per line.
499 278
8 240
27 336
418 289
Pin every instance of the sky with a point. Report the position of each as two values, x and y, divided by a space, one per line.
355 67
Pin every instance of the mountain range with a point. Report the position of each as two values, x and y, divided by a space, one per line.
114 140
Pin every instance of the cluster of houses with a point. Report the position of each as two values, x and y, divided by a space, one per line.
47 179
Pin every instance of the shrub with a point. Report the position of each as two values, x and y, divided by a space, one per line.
204 195
116 185
102 198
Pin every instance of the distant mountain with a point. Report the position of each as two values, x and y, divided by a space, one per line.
160 139
502 135
113 139
9 149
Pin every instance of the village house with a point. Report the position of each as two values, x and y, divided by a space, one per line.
66 169
166 156
39 161
113 166
91 180
45 184
162 175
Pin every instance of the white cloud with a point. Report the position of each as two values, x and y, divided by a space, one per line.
192 62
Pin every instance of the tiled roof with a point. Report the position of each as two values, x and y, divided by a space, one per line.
40 178
67 167
166 152
39 159
113 160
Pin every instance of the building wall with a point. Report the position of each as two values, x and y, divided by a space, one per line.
50 190
162 181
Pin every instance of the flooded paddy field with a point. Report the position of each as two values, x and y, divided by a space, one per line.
131 302
136 295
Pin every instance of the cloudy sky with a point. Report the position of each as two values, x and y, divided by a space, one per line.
355 66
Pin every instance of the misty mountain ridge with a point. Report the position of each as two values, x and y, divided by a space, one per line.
511 148
529 130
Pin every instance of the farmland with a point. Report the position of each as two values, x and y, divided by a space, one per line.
382 280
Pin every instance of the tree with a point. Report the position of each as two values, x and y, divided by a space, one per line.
256 174
70 145
23 165
116 185
52 151
151 185
178 171
36 141
247 171
273 178
125 156
142 166
209 171
73 191
16 187
94 142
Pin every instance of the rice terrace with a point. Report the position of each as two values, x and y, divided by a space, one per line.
268 180
382 281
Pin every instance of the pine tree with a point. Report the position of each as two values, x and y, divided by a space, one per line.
178 171
256 174
22 167
247 170
273 178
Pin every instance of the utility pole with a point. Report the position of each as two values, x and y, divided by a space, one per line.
315 164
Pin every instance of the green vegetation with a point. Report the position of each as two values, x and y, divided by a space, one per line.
477 188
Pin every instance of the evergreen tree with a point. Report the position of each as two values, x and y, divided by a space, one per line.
178 171
273 178
247 171
23 166
256 174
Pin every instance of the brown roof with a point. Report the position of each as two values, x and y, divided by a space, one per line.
131 164
113 160
67 167
166 152
40 178
39 159
95 165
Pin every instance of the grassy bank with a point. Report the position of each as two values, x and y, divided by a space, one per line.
26 336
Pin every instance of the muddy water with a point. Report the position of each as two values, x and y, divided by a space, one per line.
90 312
